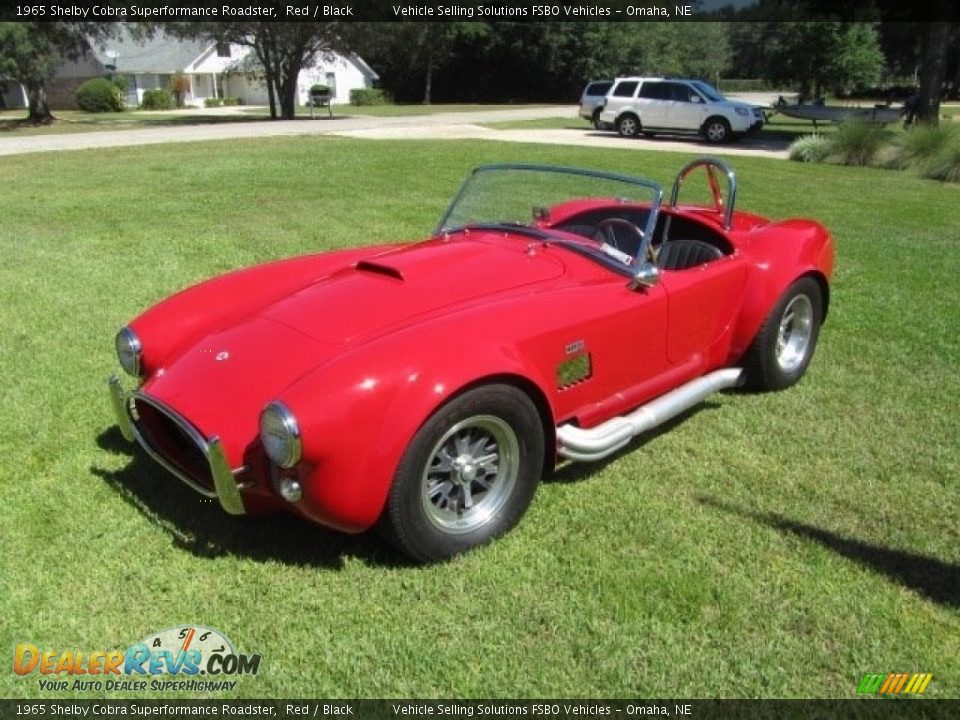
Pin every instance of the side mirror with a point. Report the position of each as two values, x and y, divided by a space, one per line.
648 275
696 98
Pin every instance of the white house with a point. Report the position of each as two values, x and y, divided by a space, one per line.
215 70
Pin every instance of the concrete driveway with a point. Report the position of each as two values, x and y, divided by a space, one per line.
452 125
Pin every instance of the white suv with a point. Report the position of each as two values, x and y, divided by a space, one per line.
637 105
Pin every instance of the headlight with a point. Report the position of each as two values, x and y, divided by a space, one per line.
742 111
280 434
129 351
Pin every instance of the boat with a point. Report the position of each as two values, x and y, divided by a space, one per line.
836 113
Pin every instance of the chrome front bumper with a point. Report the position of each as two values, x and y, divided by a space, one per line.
224 482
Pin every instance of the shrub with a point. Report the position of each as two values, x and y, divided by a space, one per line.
810 148
367 96
920 144
99 95
729 85
857 142
945 165
230 101
212 102
319 89
158 99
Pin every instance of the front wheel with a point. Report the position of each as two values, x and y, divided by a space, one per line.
468 475
783 347
717 130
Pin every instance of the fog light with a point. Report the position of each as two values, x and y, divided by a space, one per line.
290 490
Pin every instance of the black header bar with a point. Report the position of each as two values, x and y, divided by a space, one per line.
476 10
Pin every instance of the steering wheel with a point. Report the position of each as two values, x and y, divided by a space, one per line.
620 234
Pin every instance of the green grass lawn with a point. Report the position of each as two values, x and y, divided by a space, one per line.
77 121
765 545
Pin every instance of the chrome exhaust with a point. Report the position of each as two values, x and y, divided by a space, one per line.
606 438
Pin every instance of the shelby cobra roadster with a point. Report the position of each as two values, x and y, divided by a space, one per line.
425 387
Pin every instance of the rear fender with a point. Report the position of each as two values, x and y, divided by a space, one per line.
779 254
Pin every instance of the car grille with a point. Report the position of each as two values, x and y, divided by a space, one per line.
173 442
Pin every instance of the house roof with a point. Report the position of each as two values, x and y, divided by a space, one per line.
364 68
159 54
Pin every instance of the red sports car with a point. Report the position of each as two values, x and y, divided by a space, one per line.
554 313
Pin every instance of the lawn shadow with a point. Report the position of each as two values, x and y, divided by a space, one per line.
200 526
572 471
935 579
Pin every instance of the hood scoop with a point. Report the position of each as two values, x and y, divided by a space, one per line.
376 268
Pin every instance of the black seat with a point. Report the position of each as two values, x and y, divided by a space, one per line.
683 254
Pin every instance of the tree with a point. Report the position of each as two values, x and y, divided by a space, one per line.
31 53
933 71
408 50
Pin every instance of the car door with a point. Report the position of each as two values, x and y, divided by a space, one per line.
686 109
650 103
613 357
703 302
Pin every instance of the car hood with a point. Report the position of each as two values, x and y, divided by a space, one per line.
222 382
393 289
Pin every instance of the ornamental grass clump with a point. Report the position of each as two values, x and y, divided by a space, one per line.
858 142
810 148
945 165
919 146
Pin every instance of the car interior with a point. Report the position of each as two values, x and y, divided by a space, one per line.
679 243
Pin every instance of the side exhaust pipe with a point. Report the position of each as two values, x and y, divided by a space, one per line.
606 438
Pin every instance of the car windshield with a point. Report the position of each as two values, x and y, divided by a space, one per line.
709 91
565 205
569 206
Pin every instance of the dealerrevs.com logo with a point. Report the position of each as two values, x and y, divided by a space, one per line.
171 659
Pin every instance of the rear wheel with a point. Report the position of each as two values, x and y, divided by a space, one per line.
628 125
468 475
783 347
597 124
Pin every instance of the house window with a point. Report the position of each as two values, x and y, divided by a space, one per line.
332 83
223 49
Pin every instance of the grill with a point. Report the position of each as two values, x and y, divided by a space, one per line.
173 442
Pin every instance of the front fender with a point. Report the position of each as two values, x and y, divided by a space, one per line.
359 413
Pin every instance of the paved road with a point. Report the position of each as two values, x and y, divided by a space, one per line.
438 125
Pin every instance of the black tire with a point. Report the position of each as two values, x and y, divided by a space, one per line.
716 130
597 125
784 345
628 125
425 515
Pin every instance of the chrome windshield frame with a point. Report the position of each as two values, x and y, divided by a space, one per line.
654 188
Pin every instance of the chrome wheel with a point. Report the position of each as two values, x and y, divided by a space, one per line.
470 473
628 126
716 131
793 337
